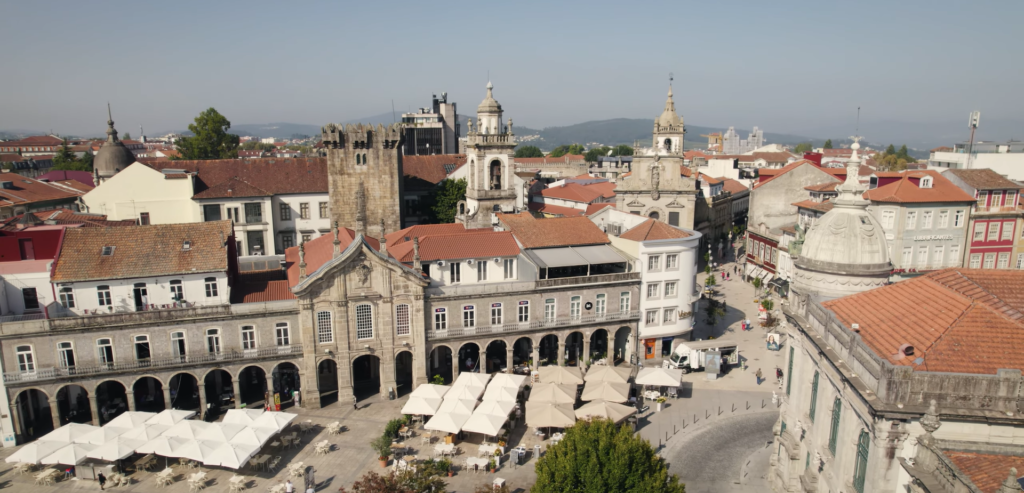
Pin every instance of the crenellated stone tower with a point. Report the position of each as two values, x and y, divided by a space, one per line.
365 162
489 155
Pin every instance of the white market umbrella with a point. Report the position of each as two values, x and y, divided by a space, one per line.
145 432
34 452
561 374
223 432
508 394
130 419
252 436
472 379
460 406
553 392
231 455
549 415
71 432
274 420
507 380
190 429
488 424
162 445
422 405
447 422
495 408
605 391
115 449
104 434
606 410
608 374
430 390
198 450
471 392
659 377
69 455
242 416
170 417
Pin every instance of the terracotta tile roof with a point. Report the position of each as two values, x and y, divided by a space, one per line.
605 188
433 168
592 208
789 228
958 320
35 140
554 232
233 187
823 187
775 173
10 158
942 149
68 217
683 170
986 471
143 251
818 206
653 230
572 191
461 246
983 179
732 186
319 251
556 210
695 153
261 286
418 230
63 175
274 175
25 190
708 179
906 190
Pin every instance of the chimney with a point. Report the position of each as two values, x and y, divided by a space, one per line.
813 156
302 261
416 254
337 241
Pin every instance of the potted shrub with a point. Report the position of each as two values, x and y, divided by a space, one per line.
492 466
446 465
660 400
382 445
437 380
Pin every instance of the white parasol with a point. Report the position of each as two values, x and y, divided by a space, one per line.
170 417
603 409
430 390
606 391
460 406
447 422
103 434
561 374
421 405
230 455
252 436
507 380
34 452
495 408
242 416
115 449
488 424
274 420
547 415
69 455
130 419
659 377
553 392
608 374
145 432
71 432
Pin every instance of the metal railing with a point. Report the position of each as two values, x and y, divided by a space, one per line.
557 323
151 363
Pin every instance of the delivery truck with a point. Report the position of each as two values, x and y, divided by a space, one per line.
691 355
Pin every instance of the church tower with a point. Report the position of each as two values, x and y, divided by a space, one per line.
112 157
668 128
489 154
364 174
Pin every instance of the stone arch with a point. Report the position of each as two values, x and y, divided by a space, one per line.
35 418
327 381
496 355
440 361
252 385
495 175
73 404
522 353
148 394
111 399
184 390
366 379
469 357
621 345
285 380
598 344
403 372
219 386
548 349
574 348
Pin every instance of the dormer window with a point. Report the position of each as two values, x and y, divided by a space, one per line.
926 182
107 251
186 246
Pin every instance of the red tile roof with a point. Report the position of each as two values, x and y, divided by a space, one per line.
35 140
11 158
695 153
986 471
906 190
554 232
233 187
605 188
274 175
68 217
710 180
461 246
319 251
418 230
572 191
261 286
984 179
818 206
592 208
63 175
555 210
732 186
432 168
25 190
775 173
958 320
653 230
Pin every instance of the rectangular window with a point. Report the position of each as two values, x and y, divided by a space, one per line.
600 305
248 337
814 396
1004 261
510 268
673 219
306 238
67 297
324 327
455 269
926 220
652 290
402 320
982 199
958 219
286 212
287 240
670 289
954 255
1007 231
888 216
908 253
496 315
481 270
323 210
549 310
253 213
833 436
668 316
66 355
26 360
31 298
975 261
624 302
993 231
653 263
211 287
440 319
574 307
524 312
142 349
213 341
922 256
944 219
211 212
364 321
938 254
1011 199
143 219
282 334
911 220
178 344
672 261
469 316
990 261
177 291
105 351
1020 260
997 199
304 210
979 231
652 317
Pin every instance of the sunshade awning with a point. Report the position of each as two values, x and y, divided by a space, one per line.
447 422
488 424
607 410
421 405
546 258
599 254
545 414
606 391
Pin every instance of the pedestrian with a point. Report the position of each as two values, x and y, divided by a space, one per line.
310 490
728 277
355 403
289 487
758 375
735 269
102 479
778 374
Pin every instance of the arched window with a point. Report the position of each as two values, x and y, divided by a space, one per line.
833 436
860 470
364 321
654 215
668 144
359 159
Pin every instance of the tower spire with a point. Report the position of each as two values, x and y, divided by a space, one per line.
111 133
851 190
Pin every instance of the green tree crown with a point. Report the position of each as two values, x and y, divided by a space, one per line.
445 199
210 139
802 148
828 144
529 151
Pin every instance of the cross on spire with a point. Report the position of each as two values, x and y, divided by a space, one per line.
670 78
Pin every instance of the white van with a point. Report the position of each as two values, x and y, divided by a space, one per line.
690 355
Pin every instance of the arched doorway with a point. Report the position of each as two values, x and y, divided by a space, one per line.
252 384
327 381
366 376
654 215
496 356
622 344
111 400
403 373
34 415
184 391
286 382
219 390
668 144
440 363
573 349
149 395
598 344
522 351
548 349
73 405
469 357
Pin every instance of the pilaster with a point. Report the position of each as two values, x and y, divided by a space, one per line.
130 397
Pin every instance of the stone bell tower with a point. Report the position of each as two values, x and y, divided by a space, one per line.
489 154
365 162
668 128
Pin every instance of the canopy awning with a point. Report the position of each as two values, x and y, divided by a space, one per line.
599 254
547 258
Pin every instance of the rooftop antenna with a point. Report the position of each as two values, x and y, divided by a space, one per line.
973 122
858 121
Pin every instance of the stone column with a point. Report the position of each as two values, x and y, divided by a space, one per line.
455 365
536 356
386 366
509 366
561 353
610 347
586 351
345 388
54 413
16 421
167 397
202 400
130 397
94 410
238 395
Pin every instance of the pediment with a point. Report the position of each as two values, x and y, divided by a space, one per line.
361 266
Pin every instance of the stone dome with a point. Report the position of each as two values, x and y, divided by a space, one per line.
669 117
489 104
113 156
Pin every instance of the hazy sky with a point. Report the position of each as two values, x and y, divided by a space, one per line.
785 66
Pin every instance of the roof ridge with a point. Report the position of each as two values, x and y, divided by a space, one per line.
1001 304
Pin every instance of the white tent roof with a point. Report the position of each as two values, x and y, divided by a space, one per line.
199 450
242 416
660 377
561 374
465 391
103 434
145 432
553 392
274 420
71 432
231 455
507 380
70 454
161 445
421 405
498 393
606 391
495 408
603 409
460 406
447 422
170 417
115 449
130 419
472 378
252 436
34 452
608 374
430 390
195 430
488 424
545 414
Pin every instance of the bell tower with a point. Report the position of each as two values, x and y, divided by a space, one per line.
489 154
668 128
365 162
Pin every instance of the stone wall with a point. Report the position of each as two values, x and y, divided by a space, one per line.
367 158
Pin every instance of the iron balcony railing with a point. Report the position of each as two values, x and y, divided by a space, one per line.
557 323
151 363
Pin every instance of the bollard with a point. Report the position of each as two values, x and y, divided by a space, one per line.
748 405
719 410
762 403
666 436
734 407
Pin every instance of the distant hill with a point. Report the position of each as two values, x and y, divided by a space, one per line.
279 130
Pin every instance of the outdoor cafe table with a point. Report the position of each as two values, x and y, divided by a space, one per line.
477 461
298 469
46 477
144 462
397 448
488 449
444 448
261 461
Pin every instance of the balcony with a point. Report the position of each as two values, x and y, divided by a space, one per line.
499 288
80 371
558 323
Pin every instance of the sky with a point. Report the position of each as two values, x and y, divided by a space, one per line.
786 66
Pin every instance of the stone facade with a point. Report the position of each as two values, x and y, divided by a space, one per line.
491 180
367 160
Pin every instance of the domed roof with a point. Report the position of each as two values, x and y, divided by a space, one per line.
668 117
113 156
489 104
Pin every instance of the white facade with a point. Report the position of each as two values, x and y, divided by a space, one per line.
467 272
17 277
254 228
126 295
299 217
140 192
1007 164
668 294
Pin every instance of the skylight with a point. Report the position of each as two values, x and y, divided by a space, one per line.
107 251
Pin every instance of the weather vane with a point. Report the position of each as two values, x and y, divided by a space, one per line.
670 78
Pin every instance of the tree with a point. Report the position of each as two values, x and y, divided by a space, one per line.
445 199
889 151
567 149
86 160
529 151
592 155
802 148
255 145
600 456
210 139
902 153
622 150
713 312
126 136
403 482
68 161
893 160
828 144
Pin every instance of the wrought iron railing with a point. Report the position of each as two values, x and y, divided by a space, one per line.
557 323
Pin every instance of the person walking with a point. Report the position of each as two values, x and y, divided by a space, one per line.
355 403
778 374
289 487
758 375
102 479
